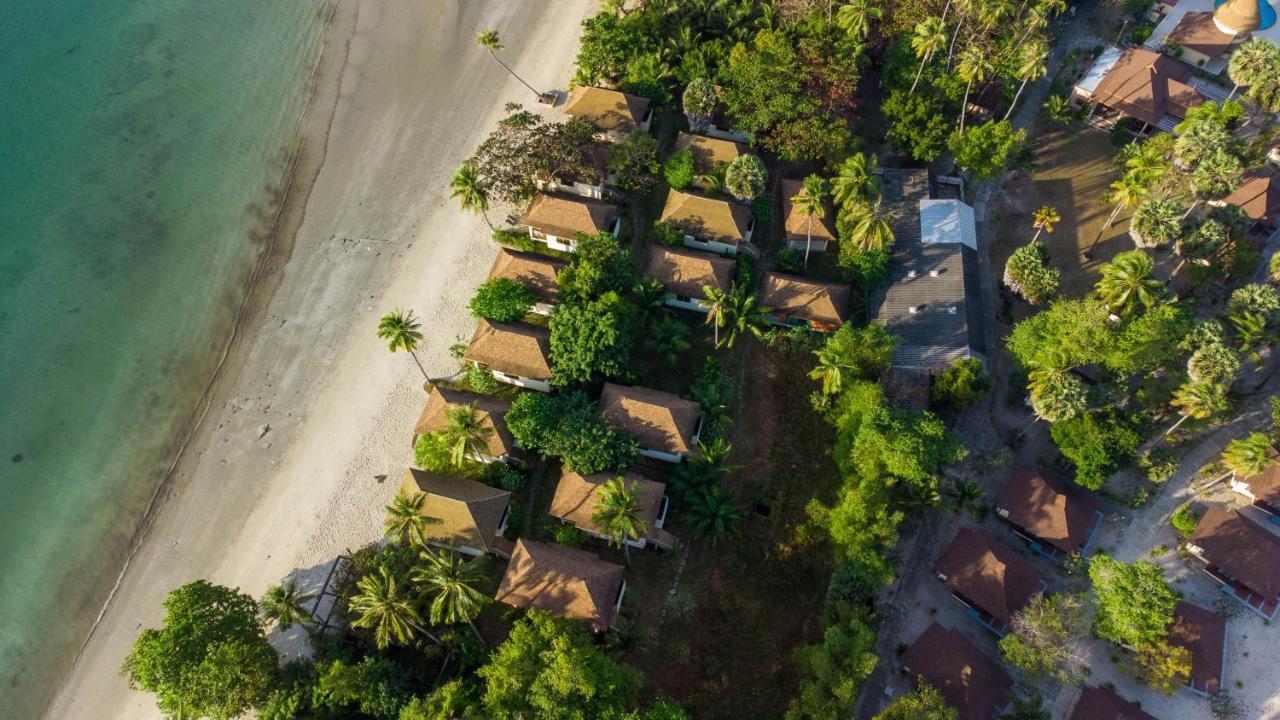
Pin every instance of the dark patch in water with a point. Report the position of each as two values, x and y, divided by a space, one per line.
17 457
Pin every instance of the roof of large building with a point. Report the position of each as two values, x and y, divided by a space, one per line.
684 272
796 224
488 410
577 495
1266 485
812 300
659 420
988 573
1241 548
1197 31
1242 16
1146 85
933 298
566 217
608 110
969 680
1203 633
709 152
707 218
1259 197
459 511
1097 703
564 581
512 348
535 272
1041 504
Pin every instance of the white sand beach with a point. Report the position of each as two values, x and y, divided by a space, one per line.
311 409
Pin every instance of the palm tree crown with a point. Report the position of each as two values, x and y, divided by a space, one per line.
618 514
870 227
472 191
929 38
856 181
1126 282
283 604
400 330
465 433
451 583
809 203
1044 219
855 18
404 522
382 607
715 514
1249 456
489 40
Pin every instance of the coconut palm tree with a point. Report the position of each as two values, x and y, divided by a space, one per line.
400 329
1058 108
1200 400
1030 707
472 191
1031 66
973 66
870 227
1250 455
404 521
964 8
830 369
1253 61
450 583
618 515
855 18
963 495
1057 395
489 40
1126 282
809 203
284 604
465 433
383 607
669 338
1156 222
1044 219
743 314
717 308
650 297
714 514
1126 192
929 37
855 183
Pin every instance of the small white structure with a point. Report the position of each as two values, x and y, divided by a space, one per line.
947 221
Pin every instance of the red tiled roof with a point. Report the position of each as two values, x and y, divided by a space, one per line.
1040 504
987 573
1242 549
969 680
1203 633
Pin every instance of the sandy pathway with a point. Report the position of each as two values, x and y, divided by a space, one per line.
247 508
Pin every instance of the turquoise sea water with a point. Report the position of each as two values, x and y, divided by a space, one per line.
139 140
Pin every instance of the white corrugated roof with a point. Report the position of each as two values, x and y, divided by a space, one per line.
947 221
1100 67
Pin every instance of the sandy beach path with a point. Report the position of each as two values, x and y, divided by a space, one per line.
281 476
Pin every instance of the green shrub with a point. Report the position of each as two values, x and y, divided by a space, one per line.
679 170
1160 465
762 208
481 380
1185 519
501 300
568 535
960 385
1097 443
1029 274
570 427
668 233
790 260
514 238
504 475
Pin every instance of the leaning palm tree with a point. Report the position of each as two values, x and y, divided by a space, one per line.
1126 192
1031 66
618 514
1200 400
490 41
465 433
1126 282
1156 222
405 521
855 182
973 66
400 329
831 367
284 604
871 227
929 38
1044 219
1058 396
1253 61
717 309
450 583
714 514
809 203
743 314
471 190
1249 456
383 607
855 18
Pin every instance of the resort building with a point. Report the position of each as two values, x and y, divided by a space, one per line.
1204 634
593 180
988 578
616 114
537 273
801 302
666 425
1263 489
933 298
1097 703
516 353
709 154
1241 555
1204 33
1054 521
970 681
578 495
490 412
558 220
463 515
684 273
1259 197
1154 89
721 126
567 582
710 224
800 231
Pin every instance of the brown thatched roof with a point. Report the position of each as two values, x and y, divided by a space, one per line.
490 411
969 680
577 496
988 573
459 511
659 420
567 217
811 300
797 225
512 348
607 109
1147 85
709 152
535 272
564 581
707 218
685 272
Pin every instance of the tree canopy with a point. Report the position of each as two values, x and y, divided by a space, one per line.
570 427
1134 603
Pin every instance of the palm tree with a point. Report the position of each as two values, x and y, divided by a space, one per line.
1126 192
669 338
465 433
964 8
1126 282
963 494
1250 329
1058 108
472 192
489 40
809 203
649 297
715 514
930 37
400 330
855 182
1213 361
405 521
717 308
830 369
1031 66
855 18
1027 708
450 582
384 609
973 66
618 515
1215 176
743 314
871 228
1057 395
1253 61
1199 141
1249 456
283 605
1156 222
1200 400
1044 219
